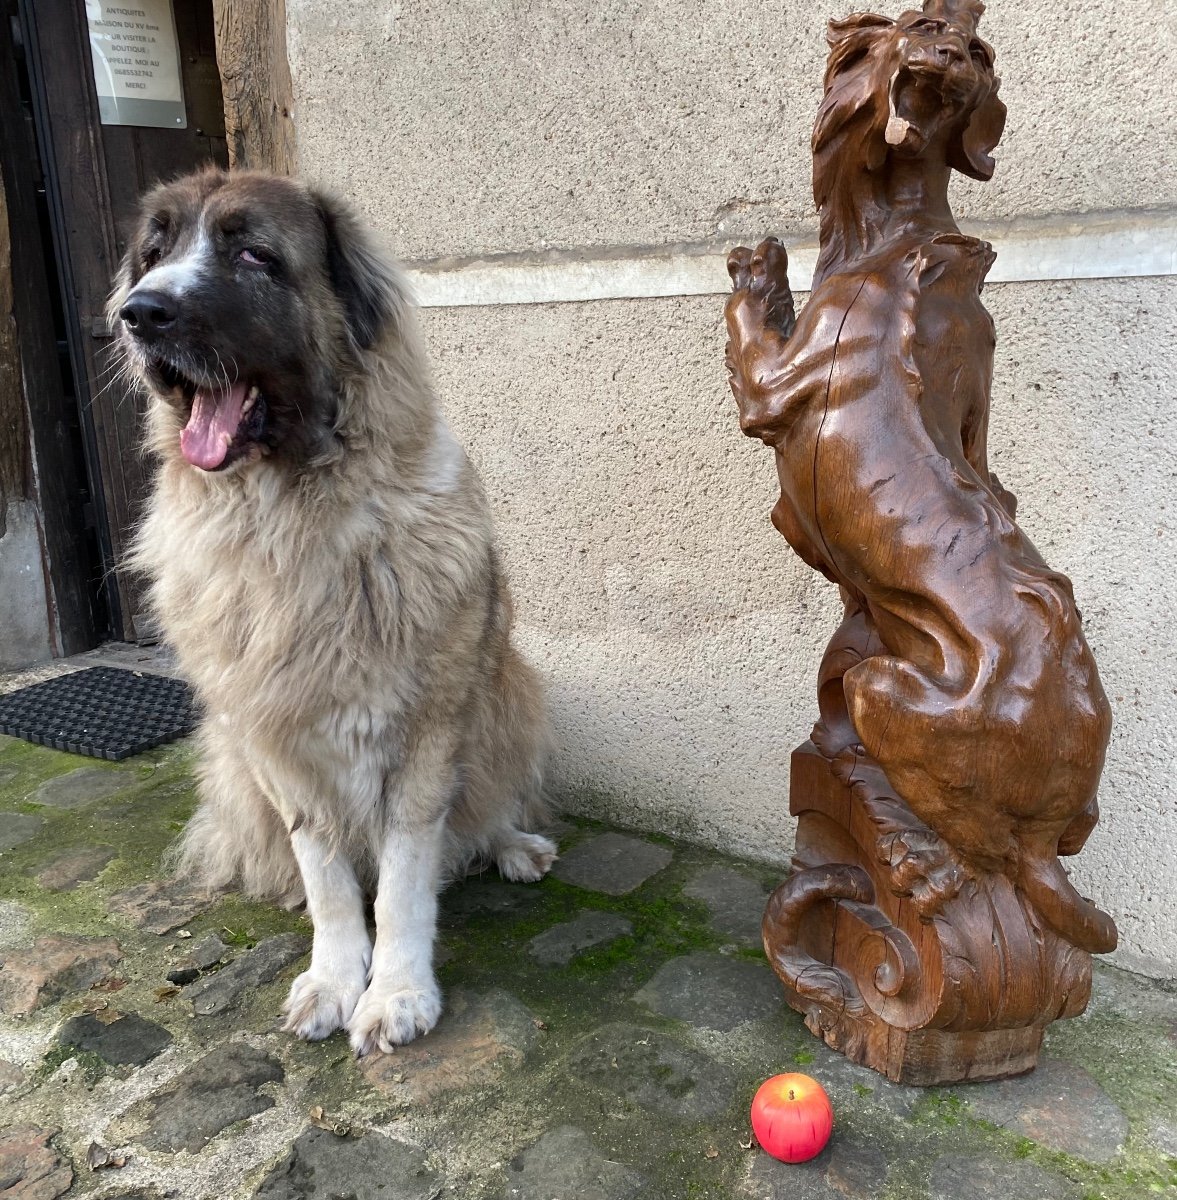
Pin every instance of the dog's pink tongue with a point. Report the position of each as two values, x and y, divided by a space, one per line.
212 425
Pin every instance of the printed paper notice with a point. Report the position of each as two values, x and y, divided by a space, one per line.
136 59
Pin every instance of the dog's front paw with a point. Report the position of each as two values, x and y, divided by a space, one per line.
318 1004
389 1015
526 858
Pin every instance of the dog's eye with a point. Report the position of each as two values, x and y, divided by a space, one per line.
252 256
151 256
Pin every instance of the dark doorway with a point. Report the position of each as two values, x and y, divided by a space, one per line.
94 175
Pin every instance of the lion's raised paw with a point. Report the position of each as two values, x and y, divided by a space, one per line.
760 278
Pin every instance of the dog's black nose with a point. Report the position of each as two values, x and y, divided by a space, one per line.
148 314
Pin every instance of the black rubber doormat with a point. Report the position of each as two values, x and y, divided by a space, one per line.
102 712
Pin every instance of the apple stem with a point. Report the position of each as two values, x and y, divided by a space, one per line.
791 1096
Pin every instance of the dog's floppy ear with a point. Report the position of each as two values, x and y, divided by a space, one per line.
365 283
970 150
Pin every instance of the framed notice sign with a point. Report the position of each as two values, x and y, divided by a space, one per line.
136 58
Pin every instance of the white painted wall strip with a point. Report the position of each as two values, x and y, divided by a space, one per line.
1090 247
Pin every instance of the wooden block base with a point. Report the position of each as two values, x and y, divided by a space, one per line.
928 1057
901 956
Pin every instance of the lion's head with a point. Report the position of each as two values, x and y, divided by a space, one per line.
921 86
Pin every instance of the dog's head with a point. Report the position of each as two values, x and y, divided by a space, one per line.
920 84
243 303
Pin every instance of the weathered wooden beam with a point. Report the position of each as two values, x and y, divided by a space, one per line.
14 442
41 466
255 81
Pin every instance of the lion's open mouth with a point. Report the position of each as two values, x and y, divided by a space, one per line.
914 97
224 423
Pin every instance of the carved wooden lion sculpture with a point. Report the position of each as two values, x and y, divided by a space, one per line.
961 668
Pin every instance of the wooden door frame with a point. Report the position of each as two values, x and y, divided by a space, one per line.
75 151
43 463
56 99
256 85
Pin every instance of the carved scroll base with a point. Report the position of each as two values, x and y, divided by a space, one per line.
899 955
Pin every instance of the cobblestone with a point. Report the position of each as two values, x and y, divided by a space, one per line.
120 1039
735 902
82 786
323 1166
79 864
215 994
1058 1105
602 1037
18 828
222 1088
53 967
560 944
974 1177
564 1163
478 1035
30 1168
613 863
713 991
653 1070
160 906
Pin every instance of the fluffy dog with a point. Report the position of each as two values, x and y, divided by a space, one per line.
322 559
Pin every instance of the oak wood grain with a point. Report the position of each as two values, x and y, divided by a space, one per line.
963 725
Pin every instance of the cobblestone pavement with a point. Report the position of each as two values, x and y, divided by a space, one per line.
604 1034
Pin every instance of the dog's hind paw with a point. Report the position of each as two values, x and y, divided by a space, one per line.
318 1005
526 858
389 1016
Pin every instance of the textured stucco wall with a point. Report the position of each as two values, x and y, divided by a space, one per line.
485 125
679 635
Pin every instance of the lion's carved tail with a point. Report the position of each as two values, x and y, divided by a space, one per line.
1054 898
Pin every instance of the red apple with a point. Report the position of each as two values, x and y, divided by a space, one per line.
792 1117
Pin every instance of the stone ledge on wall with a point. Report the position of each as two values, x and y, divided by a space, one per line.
1104 245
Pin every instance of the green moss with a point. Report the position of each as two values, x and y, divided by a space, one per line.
238 937
335 1084
139 821
1131 1059
243 923
752 953
486 925
92 1067
1135 1173
600 959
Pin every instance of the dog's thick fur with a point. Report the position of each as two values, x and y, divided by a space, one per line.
332 591
961 666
